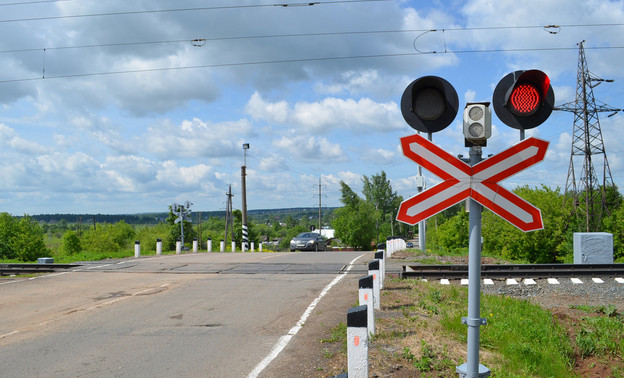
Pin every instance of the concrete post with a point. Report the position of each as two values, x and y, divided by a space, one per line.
379 255
137 249
222 246
252 246
233 246
178 247
357 342
158 247
195 245
366 298
260 247
209 245
373 270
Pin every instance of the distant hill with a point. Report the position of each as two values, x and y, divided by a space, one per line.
261 215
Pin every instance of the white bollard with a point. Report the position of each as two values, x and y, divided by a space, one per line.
357 342
373 270
209 245
159 247
260 247
137 249
222 246
194 245
379 255
178 247
252 246
233 246
366 298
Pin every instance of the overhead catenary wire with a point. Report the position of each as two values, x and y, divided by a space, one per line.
178 10
294 60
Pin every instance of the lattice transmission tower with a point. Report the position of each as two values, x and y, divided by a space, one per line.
586 187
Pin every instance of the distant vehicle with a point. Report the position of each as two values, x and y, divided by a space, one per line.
308 241
409 245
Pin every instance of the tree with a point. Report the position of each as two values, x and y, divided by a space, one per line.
356 222
549 245
356 225
28 243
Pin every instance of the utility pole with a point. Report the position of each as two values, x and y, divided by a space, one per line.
588 194
319 214
228 214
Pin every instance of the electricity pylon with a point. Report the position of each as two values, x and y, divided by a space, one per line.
588 189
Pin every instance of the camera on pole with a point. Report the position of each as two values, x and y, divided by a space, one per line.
524 99
429 104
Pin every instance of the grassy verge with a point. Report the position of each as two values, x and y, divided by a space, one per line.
419 333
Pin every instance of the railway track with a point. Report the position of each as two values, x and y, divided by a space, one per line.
515 271
17 269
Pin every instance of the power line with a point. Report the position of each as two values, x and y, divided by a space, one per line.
33 2
177 10
200 41
295 60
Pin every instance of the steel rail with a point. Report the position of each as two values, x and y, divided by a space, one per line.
514 270
17 269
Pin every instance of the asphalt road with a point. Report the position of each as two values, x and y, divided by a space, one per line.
208 315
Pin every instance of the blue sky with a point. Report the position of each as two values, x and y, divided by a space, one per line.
107 108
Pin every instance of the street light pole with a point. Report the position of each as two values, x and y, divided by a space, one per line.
244 198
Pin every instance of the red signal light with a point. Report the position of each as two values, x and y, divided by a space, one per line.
524 100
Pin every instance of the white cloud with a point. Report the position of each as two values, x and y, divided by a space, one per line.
310 148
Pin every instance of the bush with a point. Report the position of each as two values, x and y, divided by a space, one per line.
70 243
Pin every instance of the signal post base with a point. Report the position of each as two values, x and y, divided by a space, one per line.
462 370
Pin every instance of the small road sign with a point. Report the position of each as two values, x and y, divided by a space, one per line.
480 182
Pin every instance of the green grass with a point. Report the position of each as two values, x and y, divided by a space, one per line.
527 338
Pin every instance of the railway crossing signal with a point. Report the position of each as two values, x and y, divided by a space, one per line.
521 100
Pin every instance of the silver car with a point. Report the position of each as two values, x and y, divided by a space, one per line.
308 241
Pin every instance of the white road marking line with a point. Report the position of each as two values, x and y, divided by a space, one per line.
8 334
284 340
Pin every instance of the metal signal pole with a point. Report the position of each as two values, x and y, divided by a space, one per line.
244 198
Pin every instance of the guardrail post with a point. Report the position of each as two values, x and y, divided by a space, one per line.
178 247
194 245
366 298
373 270
209 245
357 342
158 247
379 255
137 249
222 246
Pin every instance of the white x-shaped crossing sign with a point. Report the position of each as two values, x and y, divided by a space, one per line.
480 182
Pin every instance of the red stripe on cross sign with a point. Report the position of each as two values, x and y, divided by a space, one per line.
479 182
